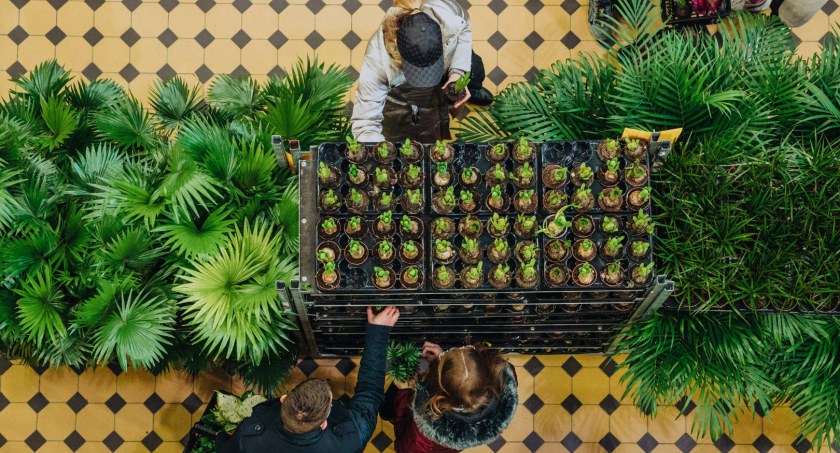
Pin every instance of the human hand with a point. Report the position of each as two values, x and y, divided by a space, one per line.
387 317
431 351
453 77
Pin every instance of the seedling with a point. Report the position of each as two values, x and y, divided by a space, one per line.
496 193
500 245
586 245
383 151
523 146
442 274
329 269
633 144
440 226
329 226
353 171
462 82
473 225
610 225
639 248
526 195
386 198
355 196
413 171
582 195
584 172
612 165
352 144
614 194
501 272
585 270
641 222
644 194
442 168
406 149
410 249
468 174
466 196
382 277
529 270
560 173
612 145
498 222
499 150
474 273
386 218
405 222
354 224
413 196
555 198
412 274
528 252
614 243
499 173
525 172
583 223
324 171
331 199
355 249
636 171
449 197
442 246
527 223
440 149
326 254
470 245
644 270
613 268
381 175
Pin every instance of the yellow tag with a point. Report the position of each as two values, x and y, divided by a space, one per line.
670 135
636 134
291 162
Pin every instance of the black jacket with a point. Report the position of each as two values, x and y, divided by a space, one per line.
348 427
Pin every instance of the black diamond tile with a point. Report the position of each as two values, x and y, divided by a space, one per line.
757 406
497 444
18 35
166 72
20 3
801 445
763 444
345 366
572 366
192 403
168 5
829 7
352 73
799 410
3 401
2 441
315 6
647 443
314 40
534 40
74 441
205 5
609 404
204 38
570 40
826 39
534 6
685 405
131 5
94 4
278 5
55 35
308 366
572 442
92 36
57 4
78 370
277 39
385 4
241 39
351 40
278 72
5 364
242 5
609 442
129 73
534 403
130 37
533 366
168 37
533 441
77 402
381 441
240 72
40 369
571 404
724 444
185 440
204 73
16 70
836 447
91 72
497 76
497 40
570 6
686 443
608 366
38 402
113 441
153 403
532 74
35 441
497 6
115 403
351 6
152 441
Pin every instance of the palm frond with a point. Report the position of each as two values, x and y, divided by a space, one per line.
128 124
60 120
46 80
286 215
174 101
184 184
256 169
236 98
41 308
190 237
131 250
94 96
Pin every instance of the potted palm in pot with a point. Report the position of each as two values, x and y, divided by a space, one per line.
466 201
523 176
328 176
356 253
444 253
609 176
526 275
442 152
584 250
611 249
583 198
496 175
443 278
498 226
610 200
411 227
554 200
635 149
583 274
330 201
355 227
499 251
411 252
356 153
471 276
497 199
470 252
525 201
384 201
556 275
638 198
636 174
640 274
525 226
411 177
581 175
411 151
383 278
357 176
411 277
500 276
558 250
641 224
385 153
470 176
384 252
612 274
327 278
441 178
412 201
497 152
554 176
470 227
609 149
524 151
357 201
444 201
443 228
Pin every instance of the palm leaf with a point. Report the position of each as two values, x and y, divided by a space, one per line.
46 80
41 308
190 237
184 184
236 98
127 124
60 120
174 101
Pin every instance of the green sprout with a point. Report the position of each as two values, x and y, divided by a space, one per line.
468 173
584 172
405 222
555 197
443 274
470 245
526 171
639 248
413 171
527 222
499 223
474 273
529 270
355 247
500 245
473 225
529 252
583 193
440 148
413 196
462 82
586 245
353 171
355 196
329 267
383 150
585 270
633 144
501 272
380 273
409 247
613 268
329 224
386 198
325 255
636 171
526 194
412 273
406 149
615 193
352 144
561 222
330 198
324 171
381 175
614 243
644 194
642 222
386 217
612 164
645 269
558 245
442 246
442 168
560 173
449 197
610 225
440 226
385 248
466 196
583 223
499 172
524 146
556 273
612 145
354 222
499 149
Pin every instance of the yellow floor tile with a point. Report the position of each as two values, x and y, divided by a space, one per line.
17 447
516 23
208 382
133 422
747 429
628 448
149 19
521 426
514 447
590 423
96 385
19 384
590 385
172 422
174 386
525 384
553 385
777 427
553 423
628 424
95 422
186 20
668 425
75 18
112 19
17 420
56 421
223 21
37 17
59 384
135 386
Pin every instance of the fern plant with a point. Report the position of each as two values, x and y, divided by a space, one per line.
403 359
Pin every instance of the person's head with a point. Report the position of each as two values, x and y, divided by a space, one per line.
306 407
464 378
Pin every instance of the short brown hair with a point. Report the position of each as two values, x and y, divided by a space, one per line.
306 406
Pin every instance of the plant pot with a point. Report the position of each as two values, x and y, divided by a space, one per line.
492 180
381 230
525 205
409 207
328 283
357 261
472 206
623 307
556 275
497 158
521 231
442 180
550 229
522 182
636 154
612 280
330 247
360 180
452 96
472 257
416 233
384 260
379 206
608 204
329 209
636 181
418 257
523 155
328 234
635 230
416 153
358 156
608 178
502 205
638 279
440 233
638 257
548 177
385 185
606 154
634 200
411 285
570 308
495 257
448 155
586 203
517 250
357 208
583 231
470 227
556 250
469 283
583 281
446 257
553 203
576 180
498 284
608 254
392 280
444 285
492 231
409 182
439 206
609 231
390 157
473 181
524 282
332 181
582 255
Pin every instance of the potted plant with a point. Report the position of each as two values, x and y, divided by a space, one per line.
523 176
442 152
385 153
327 251
456 91
525 226
411 252
554 200
444 277
497 152
444 201
411 151
612 275
411 227
470 252
412 201
641 273
384 252
500 276
636 174
641 224
328 278
584 250
355 252
525 251
357 201
469 176
328 227
444 253
497 199
411 277
330 201
411 177
355 227
384 201
609 149
611 199
610 224
581 175
443 228
498 251
496 175
498 226
524 151
384 177
471 276
584 274
555 225
327 176
356 153
385 227
554 176
583 198
638 198
466 201
608 175
639 250
383 278
441 178
611 249
470 227
635 149
582 225
357 176
556 275
558 249
525 201
526 275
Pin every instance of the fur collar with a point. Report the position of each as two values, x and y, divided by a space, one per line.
460 431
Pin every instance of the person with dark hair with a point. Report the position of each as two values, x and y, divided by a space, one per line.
466 397
307 420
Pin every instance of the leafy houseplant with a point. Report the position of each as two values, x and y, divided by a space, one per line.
356 153
641 224
609 176
635 149
384 252
499 251
554 200
466 200
444 253
500 276
384 177
354 227
525 201
497 152
444 201
525 226
443 228
411 151
411 227
442 152
470 227
357 201
554 176
639 249
329 227
497 175
526 275
523 176
611 200
584 274
327 176
410 251
584 250
526 251
412 277
383 278
470 252
411 177
498 226
640 274
442 177
385 225
412 201
444 277
472 277
581 175
610 224
403 359
612 248
329 276
385 153
636 174
384 201
230 410
524 151
357 176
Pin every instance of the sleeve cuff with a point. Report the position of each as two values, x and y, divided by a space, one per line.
377 332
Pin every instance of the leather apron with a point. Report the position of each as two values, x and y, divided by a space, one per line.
421 114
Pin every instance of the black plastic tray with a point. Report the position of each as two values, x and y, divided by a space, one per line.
669 14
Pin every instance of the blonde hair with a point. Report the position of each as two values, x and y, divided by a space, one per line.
464 378
391 24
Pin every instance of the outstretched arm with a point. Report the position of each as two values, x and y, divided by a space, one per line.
370 95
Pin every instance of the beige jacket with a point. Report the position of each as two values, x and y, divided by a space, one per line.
380 73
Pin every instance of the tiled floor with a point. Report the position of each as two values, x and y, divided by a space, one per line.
568 403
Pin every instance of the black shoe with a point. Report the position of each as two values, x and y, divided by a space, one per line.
480 97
